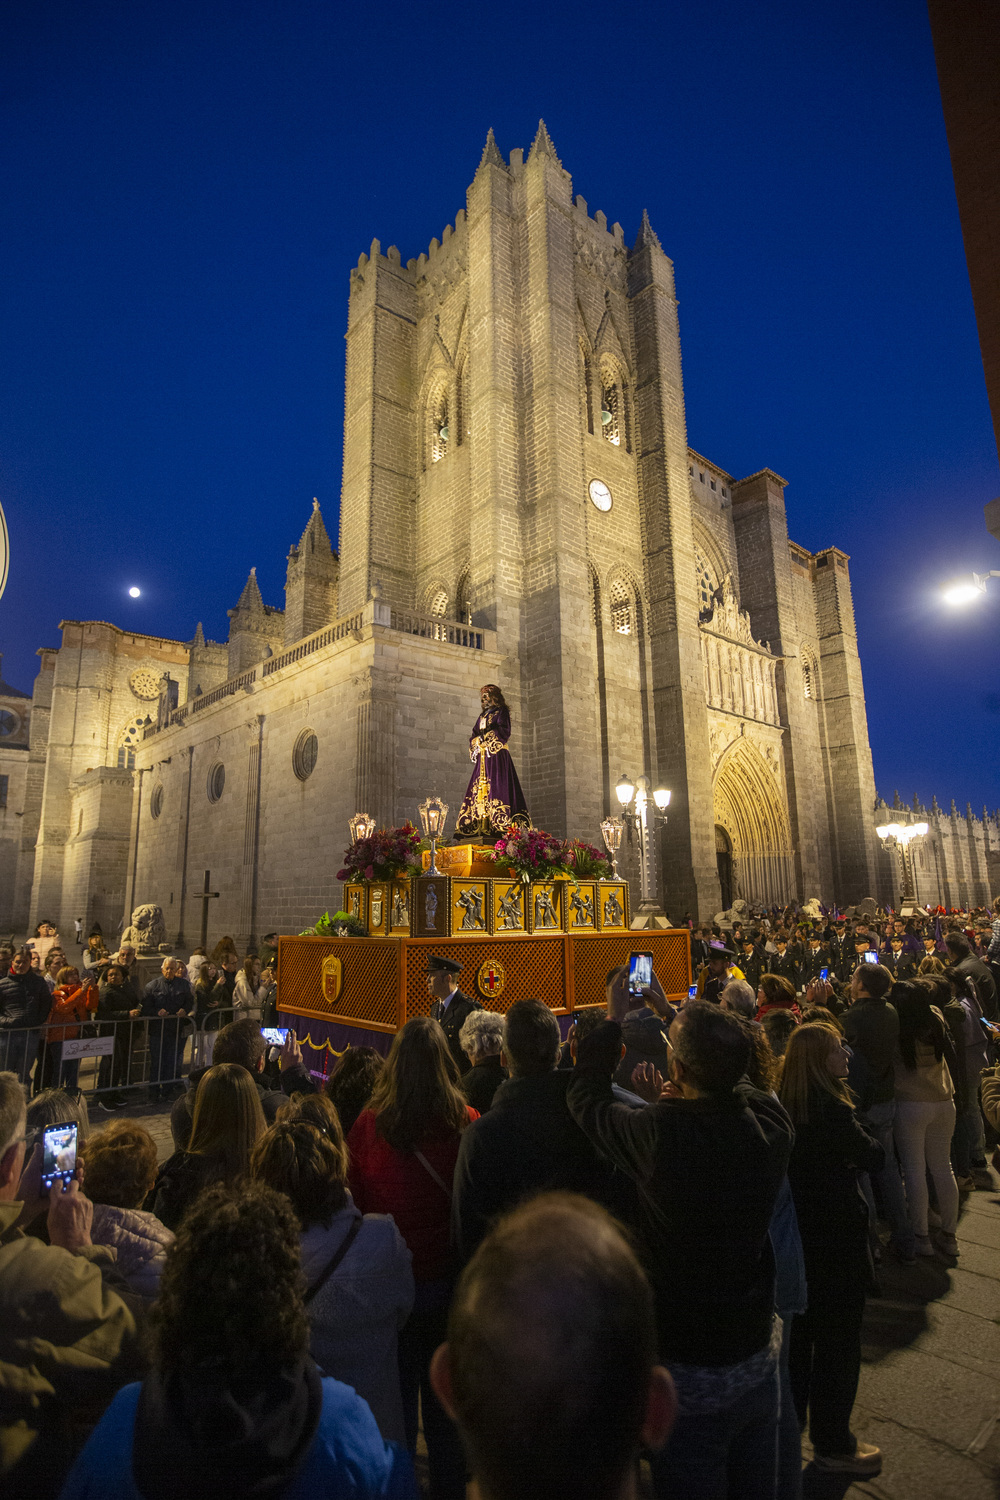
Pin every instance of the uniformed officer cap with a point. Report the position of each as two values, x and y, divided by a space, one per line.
438 965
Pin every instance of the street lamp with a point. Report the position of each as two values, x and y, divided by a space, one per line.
433 815
899 836
634 797
965 590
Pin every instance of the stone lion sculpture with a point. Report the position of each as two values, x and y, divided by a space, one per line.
811 909
738 912
147 931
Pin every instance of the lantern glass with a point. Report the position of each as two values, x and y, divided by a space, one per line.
624 790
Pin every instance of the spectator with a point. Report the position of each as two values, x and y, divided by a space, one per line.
239 1042
126 956
925 1112
831 1148
528 1142
644 1030
963 961
234 1406
403 1151
269 951
55 960
226 1124
56 1107
223 998
646 1082
352 1083
481 1037
224 948
25 1003
195 963
45 937
717 973
68 1340
6 958
450 1006
708 1163
120 1164
871 1027
73 1003
248 992
776 993
170 1000
549 1369
96 958
117 1005
357 1268
268 997
739 998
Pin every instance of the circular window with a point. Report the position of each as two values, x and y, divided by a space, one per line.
216 781
145 683
9 723
156 802
304 754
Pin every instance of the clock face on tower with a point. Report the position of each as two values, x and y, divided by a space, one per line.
600 494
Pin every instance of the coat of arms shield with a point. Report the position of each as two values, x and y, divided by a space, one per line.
333 978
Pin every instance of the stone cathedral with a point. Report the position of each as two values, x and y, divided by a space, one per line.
519 505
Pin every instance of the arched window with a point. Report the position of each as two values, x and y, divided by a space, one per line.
708 582
128 740
620 601
810 676
439 603
440 429
611 423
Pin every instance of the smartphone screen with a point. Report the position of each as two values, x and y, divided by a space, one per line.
693 992
640 972
58 1153
871 957
824 974
275 1036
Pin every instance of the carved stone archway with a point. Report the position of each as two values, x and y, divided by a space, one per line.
750 806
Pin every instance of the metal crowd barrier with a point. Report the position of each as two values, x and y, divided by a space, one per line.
142 1057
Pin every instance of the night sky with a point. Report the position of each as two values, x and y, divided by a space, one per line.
187 185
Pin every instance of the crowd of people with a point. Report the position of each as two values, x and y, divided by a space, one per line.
649 1241
46 1001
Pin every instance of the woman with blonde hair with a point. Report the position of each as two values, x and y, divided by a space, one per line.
360 1285
226 1124
403 1152
831 1150
925 1068
249 992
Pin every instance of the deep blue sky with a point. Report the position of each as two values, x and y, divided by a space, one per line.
187 183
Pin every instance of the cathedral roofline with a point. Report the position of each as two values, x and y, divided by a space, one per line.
693 453
133 635
762 474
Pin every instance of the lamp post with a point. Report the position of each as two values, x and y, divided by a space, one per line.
634 798
361 826
899 837
966 590
433 817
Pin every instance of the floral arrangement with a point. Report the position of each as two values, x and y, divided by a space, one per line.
341 924
386 855
533 854
587 862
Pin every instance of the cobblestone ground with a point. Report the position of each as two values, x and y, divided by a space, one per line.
930 1381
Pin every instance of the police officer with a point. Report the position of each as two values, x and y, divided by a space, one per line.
450 1006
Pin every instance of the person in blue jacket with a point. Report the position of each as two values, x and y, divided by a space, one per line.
233 1407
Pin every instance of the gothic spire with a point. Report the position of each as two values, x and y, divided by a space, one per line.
315 538
542 145
250 598
199 636
491 156
647 235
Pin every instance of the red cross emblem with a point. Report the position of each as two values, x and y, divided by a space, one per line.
491 979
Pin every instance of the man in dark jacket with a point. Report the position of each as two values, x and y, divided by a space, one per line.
644 1030
964 961
25 1003
527 1143
708 1163
871 1027
450 1006
170 1000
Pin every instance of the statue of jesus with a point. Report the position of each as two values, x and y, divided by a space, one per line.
494 799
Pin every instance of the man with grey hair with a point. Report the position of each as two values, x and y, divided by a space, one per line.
170 1000
481 1039
67 1340
527 1143
739 998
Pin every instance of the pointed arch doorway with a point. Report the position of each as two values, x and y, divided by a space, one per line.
724 863
751 816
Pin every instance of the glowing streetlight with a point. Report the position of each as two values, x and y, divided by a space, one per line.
966 590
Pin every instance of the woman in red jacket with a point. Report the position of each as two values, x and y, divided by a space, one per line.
403 1152
72 1004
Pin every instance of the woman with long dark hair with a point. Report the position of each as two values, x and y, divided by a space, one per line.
403 1152
832 1148
925 1067
226 1124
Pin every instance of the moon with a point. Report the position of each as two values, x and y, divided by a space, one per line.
133 592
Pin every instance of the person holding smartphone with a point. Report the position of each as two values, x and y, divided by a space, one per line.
644 1027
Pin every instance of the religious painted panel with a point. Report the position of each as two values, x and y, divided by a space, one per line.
612 905
469 912
507 904
581 911
430 906
546 905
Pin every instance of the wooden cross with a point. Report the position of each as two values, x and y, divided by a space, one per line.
205 897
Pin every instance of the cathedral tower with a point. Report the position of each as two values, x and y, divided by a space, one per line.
310 582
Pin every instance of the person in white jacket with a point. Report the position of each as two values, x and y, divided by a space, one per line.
249 992
360 1281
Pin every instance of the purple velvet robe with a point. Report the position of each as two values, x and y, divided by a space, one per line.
500 801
